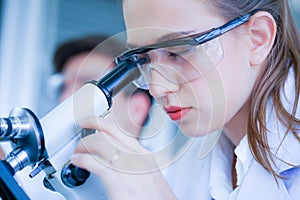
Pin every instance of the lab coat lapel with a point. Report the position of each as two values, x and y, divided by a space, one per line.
260 184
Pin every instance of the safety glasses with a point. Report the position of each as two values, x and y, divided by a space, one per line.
183 59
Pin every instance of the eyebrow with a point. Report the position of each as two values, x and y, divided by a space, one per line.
170 36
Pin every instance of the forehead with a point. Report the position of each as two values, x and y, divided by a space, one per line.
148 20
88 64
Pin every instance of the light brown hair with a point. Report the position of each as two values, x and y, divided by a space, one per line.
285 55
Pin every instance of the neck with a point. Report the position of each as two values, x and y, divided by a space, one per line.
236 128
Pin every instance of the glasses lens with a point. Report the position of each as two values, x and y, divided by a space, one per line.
181 64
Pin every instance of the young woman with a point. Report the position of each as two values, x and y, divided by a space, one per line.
242 78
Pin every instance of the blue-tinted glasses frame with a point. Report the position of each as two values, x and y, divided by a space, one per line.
194 39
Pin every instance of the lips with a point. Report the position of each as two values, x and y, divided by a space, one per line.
176 113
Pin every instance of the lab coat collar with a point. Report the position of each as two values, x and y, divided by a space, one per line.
288 150
260 184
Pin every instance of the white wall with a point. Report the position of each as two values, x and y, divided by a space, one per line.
25 52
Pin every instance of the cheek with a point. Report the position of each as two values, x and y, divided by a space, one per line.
237 75
207 96
119 111
122 114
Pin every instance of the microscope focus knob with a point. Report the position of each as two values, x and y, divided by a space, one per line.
73 176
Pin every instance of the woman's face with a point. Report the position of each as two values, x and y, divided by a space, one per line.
210 101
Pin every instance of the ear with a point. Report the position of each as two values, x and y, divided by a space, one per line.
262 29
139 106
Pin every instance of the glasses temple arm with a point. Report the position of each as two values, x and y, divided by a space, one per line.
216 32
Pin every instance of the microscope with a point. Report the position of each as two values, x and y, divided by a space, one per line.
46 144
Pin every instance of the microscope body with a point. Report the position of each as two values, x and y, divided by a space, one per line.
47 144
60 148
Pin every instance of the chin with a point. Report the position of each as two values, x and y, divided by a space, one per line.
193 130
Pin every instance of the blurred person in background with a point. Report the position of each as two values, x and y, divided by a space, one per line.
89 58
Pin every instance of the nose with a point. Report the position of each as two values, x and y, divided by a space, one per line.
160 86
